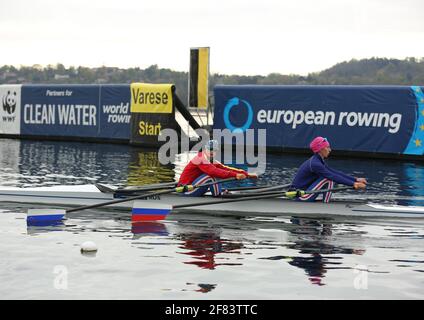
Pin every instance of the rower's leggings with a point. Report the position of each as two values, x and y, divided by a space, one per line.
198 192
322 183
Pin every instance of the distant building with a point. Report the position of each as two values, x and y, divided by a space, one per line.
102 80
61 76
8 75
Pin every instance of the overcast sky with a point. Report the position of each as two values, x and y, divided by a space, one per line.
246 37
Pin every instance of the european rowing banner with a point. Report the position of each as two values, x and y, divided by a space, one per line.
10 110
152 110
376 119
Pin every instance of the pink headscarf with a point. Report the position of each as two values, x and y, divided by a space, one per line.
318 144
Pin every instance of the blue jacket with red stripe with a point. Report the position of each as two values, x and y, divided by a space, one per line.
315 168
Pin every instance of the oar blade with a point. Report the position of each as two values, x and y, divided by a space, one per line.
149 211
41 216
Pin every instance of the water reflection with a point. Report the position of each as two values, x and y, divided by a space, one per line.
28 163
148 228
145 168
414 183
202 287
45 224
317 245
317 251
89 254
204 248
37 229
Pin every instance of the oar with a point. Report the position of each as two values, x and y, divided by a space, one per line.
152 187
288 194
263 189
36 215
148 187
139 207
299 193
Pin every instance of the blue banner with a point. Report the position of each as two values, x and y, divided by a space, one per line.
115 114
90 111
60 110
382 119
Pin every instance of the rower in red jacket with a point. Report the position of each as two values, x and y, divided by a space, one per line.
204 169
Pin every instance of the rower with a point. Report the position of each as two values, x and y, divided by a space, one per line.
203 168
315 174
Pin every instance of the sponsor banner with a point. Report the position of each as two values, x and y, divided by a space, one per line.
416 141
92 111
115 115
151 98
60 110
10 109
383 119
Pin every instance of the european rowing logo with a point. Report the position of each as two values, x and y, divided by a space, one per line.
9 102
232 103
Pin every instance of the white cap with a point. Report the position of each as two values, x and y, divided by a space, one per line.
212 145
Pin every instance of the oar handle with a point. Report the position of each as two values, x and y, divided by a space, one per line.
142 196
147 188
299 193
221 200
267 189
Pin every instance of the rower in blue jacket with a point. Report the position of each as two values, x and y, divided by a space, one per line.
315 174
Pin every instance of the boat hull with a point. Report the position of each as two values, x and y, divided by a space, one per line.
90 195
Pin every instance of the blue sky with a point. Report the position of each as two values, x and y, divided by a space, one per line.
246 37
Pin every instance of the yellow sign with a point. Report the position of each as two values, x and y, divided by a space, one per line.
203 77
199 77
149 129
151 98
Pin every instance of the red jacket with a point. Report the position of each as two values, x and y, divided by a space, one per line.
200 165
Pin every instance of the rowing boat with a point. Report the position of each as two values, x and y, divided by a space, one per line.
77 195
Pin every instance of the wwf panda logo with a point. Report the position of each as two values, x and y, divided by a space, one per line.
9 102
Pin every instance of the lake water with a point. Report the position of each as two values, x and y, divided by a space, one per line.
202 256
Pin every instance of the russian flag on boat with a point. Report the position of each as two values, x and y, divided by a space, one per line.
43 215
144 210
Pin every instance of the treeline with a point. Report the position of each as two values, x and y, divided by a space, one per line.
372 71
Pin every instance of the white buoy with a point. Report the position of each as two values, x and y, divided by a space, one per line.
88 246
